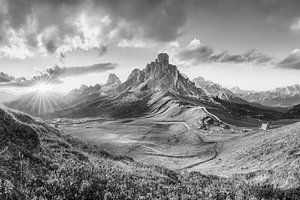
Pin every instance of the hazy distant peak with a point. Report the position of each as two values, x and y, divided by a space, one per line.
113 79
83 87
199 79
217 90
280 96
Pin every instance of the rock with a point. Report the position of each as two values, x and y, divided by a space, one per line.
160 76
113 80
163 59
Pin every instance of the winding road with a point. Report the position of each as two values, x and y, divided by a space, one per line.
216 149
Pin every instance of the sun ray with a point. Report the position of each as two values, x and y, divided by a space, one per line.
43 98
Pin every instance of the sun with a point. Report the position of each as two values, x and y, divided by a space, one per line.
42 88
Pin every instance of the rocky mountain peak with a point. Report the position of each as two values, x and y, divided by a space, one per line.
163 59
113 79
160 76
164 76
161 67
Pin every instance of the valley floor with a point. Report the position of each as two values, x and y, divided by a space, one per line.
179 145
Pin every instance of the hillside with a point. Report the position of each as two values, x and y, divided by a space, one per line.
294 111
40 162
271 156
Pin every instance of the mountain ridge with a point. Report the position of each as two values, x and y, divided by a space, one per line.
216 90
157 90
281 96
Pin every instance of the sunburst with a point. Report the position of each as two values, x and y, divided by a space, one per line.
43 88
43 97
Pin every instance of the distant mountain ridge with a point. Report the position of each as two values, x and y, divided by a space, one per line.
281 96
216 90
112 82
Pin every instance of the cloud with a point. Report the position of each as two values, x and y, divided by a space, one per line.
5 77
103 50
196 52
291 61
42 27
53 75
57 72
295 25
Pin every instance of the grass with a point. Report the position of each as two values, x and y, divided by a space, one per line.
55 166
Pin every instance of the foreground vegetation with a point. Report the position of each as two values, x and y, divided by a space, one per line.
39 162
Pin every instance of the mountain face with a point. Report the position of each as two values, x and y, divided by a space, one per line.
156 87
281 97
294 111
160 76
215 90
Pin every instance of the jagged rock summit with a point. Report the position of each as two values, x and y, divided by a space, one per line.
161 76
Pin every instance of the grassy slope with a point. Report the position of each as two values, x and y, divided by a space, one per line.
271 156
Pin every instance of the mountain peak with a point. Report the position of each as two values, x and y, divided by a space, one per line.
163 59
113 79
160 76
199 79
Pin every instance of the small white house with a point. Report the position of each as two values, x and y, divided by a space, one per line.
265 126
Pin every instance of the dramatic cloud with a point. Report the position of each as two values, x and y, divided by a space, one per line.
291 61
196 52
5 77
54 74
41 27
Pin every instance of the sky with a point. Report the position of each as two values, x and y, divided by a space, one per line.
250 44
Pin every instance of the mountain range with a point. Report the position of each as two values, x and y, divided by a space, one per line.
158 89
280 97
216 90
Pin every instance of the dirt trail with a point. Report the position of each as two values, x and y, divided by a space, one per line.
218 145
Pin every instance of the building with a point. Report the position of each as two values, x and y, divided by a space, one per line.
265 126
